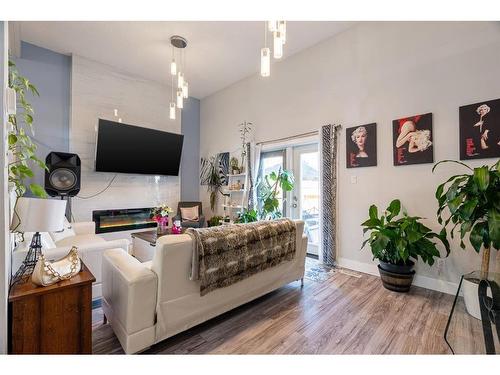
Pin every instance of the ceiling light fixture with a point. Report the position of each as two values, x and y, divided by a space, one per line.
177 70
278 29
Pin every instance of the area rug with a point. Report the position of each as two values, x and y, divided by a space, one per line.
317 271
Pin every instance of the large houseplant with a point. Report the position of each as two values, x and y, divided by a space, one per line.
269 189
211 176
471 202
398 241
22 156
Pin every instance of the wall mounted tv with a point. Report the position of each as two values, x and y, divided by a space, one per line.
125 148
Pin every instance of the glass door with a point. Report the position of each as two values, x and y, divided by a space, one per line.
304 202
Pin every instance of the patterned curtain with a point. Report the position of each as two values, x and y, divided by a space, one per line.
328 144
253 164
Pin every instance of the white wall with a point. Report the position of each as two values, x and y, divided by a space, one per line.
374 72
96 90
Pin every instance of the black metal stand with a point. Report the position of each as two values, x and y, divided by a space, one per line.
29 262
490 312
451 315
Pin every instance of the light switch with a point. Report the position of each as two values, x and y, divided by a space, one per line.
354 179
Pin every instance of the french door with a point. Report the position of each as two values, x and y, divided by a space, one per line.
304 201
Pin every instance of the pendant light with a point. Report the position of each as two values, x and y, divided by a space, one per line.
278 45
265 58
180 100
282 30
177 70
273 26
173 64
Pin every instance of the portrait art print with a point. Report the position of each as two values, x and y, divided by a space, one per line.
412 140
361 146
480 130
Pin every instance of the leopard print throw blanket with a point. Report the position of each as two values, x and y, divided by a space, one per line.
227 254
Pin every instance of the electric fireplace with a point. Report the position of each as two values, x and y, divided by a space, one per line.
122 219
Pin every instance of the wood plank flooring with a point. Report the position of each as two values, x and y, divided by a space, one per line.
345 314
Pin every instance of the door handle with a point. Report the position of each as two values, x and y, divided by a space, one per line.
294 205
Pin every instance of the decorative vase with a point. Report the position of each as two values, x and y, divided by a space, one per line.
162 224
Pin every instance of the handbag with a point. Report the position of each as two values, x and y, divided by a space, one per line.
47 273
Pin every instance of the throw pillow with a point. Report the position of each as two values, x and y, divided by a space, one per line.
189 213
66 232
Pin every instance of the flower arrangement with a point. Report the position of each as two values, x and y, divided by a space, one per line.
160 214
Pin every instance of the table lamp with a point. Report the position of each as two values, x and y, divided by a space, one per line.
35 215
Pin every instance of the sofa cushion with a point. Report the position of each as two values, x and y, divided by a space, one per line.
189 213
66 232
80 240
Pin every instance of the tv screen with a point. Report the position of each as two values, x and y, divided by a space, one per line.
125 148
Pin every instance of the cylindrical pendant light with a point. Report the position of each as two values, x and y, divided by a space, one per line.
278 45
282 30
180 101
265 62
172 111
173 68
185 88
180 80
273 26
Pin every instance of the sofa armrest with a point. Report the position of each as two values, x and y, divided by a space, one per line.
84 227
129 289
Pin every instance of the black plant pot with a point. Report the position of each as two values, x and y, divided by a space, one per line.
397 278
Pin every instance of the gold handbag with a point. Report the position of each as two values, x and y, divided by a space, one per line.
47 273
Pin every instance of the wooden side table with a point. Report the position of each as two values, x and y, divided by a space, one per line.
55 319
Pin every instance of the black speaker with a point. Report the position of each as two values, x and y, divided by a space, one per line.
62 179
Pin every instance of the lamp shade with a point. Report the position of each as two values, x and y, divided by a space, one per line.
38 215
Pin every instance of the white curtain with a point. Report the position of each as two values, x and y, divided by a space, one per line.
253 164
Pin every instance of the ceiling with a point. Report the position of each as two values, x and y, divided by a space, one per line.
218 53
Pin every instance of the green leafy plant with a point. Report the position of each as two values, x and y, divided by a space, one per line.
214 221
473 202
397 240
234 165
247 216
268 189
210 176
21 147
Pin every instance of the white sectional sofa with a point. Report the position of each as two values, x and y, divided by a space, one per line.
146 303
91 248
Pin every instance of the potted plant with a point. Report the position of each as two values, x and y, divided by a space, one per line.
473 203
247 216
269 190
398 242
214 221
235 169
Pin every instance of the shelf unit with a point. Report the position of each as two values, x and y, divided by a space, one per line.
236 196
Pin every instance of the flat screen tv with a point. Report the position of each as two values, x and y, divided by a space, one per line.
123 148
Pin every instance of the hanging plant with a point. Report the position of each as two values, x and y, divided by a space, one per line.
211 176
21 147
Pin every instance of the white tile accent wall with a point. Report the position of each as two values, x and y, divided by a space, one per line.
96 90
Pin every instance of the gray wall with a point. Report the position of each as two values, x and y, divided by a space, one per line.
190 162
50 72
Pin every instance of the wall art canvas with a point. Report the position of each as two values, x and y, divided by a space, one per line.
480 130
221 161
361 146
412 140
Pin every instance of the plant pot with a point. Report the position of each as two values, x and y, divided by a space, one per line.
399 279
396 268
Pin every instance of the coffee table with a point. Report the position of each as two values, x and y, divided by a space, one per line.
143 243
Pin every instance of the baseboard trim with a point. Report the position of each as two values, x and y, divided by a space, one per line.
422 281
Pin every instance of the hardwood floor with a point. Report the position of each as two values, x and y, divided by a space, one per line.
348 313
